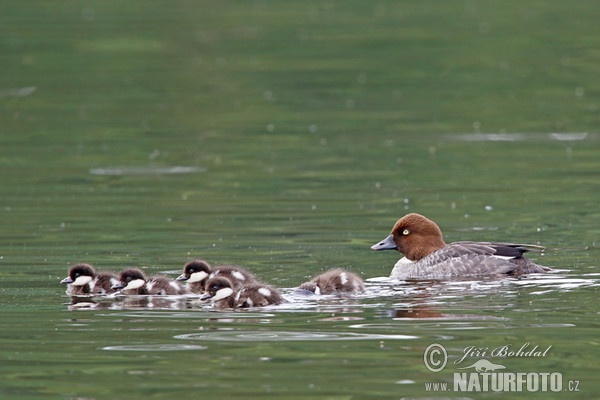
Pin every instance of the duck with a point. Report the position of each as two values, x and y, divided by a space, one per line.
335 281
133 281
223 294
427 256
82 280
197 272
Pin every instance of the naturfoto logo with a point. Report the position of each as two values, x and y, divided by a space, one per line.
486 375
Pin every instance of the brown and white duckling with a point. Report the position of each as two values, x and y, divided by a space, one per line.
84 281
133 281
335 281
237 275
197 272
257 295
222 293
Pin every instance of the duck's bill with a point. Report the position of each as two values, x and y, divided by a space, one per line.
385 244
67 280
206 296
182 277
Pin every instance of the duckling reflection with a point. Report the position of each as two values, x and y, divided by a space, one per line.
132 302
417 312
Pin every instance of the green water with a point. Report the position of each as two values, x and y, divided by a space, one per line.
302 131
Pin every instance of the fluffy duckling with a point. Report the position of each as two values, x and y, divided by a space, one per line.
84 281
197 272
237 275
133 281
223 294
335 281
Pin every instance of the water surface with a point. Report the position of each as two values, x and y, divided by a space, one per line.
288 138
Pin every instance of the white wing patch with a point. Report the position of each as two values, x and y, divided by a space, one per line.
238 275
503 257
344 278
238 294
265 292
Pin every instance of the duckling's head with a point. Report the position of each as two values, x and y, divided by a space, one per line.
195 271
218 288
130 278
80 275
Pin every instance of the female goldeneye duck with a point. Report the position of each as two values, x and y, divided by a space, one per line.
133 281
223 294
197 272
428 256
335 281
84 281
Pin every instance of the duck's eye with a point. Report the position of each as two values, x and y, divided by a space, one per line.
405 232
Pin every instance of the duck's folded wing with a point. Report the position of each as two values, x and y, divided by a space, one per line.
438 266
467 259
498 249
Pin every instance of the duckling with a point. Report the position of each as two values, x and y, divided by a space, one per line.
334 281
257 295
237 275
84 281
220 290
197 272
133 281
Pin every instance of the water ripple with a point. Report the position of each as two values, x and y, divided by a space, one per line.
145 170
287 336
188 314
518 137
155 347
